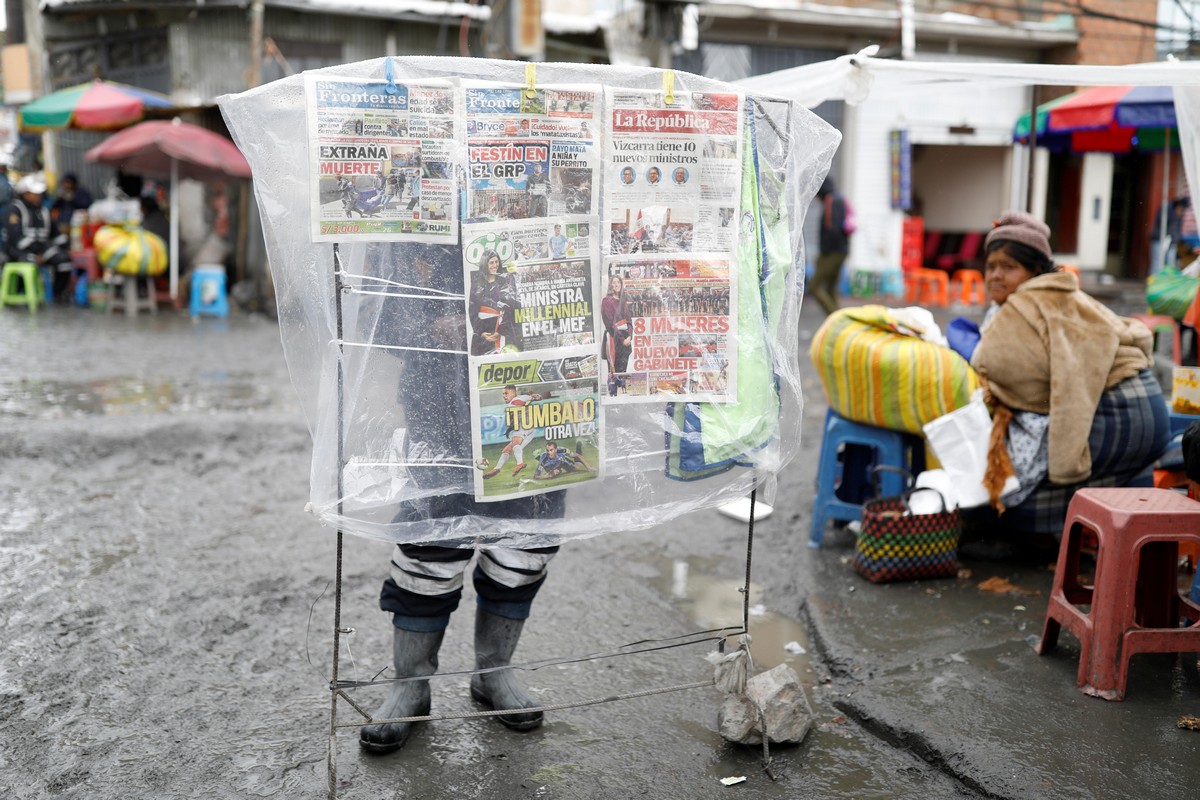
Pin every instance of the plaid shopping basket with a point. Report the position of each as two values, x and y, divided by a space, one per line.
896 545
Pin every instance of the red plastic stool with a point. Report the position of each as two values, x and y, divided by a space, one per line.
1135 603
1161 322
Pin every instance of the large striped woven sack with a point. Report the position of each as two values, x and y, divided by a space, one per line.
130 250
873 373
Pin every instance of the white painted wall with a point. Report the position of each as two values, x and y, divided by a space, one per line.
963 187
982 173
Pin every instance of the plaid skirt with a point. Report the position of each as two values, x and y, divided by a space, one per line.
1131 430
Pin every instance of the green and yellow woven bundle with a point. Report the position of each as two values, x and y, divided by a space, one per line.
130 250
873 373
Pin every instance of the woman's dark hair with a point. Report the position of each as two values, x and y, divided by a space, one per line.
488 255
1030 258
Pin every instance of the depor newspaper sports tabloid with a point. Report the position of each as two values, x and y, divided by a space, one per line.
539 422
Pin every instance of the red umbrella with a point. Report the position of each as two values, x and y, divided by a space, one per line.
169 149
175 149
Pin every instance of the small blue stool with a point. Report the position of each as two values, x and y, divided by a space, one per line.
47 284
208 291
849 451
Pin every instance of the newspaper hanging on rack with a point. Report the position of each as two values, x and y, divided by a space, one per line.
673 185
532 153
539 422
530 285
676 331
383 160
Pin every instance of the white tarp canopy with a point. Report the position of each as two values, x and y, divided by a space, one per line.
852 77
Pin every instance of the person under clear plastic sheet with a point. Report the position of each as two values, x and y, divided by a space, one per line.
425 581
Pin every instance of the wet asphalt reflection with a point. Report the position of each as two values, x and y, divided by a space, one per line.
168 607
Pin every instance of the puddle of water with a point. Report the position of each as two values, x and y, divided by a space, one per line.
714 602
136 395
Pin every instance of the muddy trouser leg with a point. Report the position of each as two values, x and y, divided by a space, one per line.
506 581
825 280
422 591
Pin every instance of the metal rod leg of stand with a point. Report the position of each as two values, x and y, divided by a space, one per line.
333 696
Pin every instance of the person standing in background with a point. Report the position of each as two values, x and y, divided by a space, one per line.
834 243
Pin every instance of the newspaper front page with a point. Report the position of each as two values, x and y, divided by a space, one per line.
672 189
673 172
530 285
531 153
670 330
384 160
539 422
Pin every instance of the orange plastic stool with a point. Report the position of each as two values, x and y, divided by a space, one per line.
968 288
1161 322
927 287
1135 603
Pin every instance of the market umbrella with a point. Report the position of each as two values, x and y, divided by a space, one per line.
1109 119
1103 110
1125 106
98 106
172 149
1115 120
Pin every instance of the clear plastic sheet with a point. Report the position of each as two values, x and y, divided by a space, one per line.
376 333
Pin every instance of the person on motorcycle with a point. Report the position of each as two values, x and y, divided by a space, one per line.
349 193
538 187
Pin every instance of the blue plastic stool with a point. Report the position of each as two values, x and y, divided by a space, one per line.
208 291
849 451
47 284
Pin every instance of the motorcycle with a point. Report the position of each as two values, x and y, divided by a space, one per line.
367 202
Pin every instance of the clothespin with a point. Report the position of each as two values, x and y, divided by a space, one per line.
390 74
530 81
669 86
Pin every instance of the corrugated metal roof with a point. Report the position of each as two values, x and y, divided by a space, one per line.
454 9
354 8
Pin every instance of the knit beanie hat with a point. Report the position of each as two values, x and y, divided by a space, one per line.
1023 227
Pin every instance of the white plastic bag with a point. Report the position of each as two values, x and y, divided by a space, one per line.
960 442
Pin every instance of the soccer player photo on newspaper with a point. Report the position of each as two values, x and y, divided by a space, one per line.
536 423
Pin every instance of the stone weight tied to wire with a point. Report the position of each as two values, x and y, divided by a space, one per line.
785 710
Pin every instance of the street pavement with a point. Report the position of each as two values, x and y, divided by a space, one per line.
168 618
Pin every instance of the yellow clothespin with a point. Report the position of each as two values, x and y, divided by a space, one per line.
669 86
530 81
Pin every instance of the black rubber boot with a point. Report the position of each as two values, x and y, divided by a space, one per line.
495 640
414 654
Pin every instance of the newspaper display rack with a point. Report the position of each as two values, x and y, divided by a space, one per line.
490 288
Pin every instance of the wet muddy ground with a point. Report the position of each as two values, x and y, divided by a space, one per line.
168 607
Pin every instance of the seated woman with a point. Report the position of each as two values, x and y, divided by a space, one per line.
1075 401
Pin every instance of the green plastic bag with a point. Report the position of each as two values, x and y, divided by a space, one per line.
1171 292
